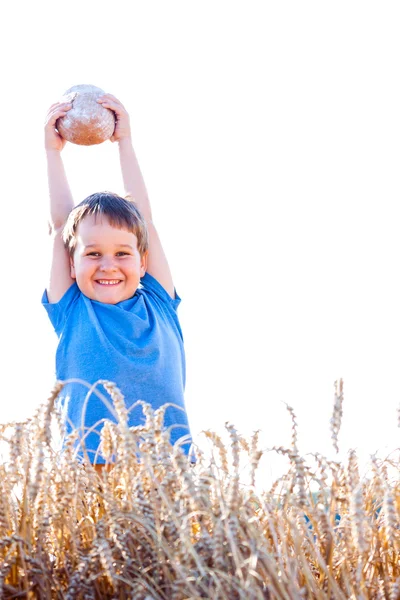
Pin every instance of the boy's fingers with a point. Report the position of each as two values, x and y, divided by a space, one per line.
52 116
57 115
66 106
109 98
117 108
59 105
109 101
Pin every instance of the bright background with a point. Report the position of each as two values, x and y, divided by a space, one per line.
269 136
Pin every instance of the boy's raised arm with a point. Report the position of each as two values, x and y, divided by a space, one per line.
61 204
157 264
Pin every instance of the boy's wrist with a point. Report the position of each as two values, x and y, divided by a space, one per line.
125 142
52 151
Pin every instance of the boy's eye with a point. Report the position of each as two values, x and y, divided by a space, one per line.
94 253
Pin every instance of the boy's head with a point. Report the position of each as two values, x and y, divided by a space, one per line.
107 241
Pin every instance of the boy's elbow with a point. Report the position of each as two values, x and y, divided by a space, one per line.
55 227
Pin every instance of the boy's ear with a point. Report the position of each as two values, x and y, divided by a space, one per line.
72 267
143 263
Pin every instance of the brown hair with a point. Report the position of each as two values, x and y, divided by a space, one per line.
121 213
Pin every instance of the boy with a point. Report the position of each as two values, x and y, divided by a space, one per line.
111 297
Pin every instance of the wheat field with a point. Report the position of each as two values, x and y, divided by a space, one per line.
152 525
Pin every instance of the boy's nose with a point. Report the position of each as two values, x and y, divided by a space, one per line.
107 264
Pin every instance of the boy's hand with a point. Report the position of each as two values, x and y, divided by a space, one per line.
122 125
52 139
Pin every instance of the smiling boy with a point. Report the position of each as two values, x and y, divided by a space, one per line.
105 260
111 297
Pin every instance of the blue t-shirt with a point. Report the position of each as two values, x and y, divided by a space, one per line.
136 343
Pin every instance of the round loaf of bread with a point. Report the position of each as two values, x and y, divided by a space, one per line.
87 122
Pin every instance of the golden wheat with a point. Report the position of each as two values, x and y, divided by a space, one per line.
152 525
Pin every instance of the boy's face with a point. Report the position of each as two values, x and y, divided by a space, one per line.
106 264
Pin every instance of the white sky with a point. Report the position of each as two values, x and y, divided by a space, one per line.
268 135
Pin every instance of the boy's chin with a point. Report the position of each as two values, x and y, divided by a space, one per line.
110 296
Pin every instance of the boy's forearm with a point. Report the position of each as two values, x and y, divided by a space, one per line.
133 178
61 200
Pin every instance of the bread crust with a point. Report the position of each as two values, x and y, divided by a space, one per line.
87 122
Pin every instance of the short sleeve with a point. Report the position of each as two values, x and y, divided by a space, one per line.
58 311
150 283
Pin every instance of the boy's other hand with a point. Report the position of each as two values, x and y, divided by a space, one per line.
52 139
122 124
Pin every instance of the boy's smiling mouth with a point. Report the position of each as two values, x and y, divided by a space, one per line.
108 281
